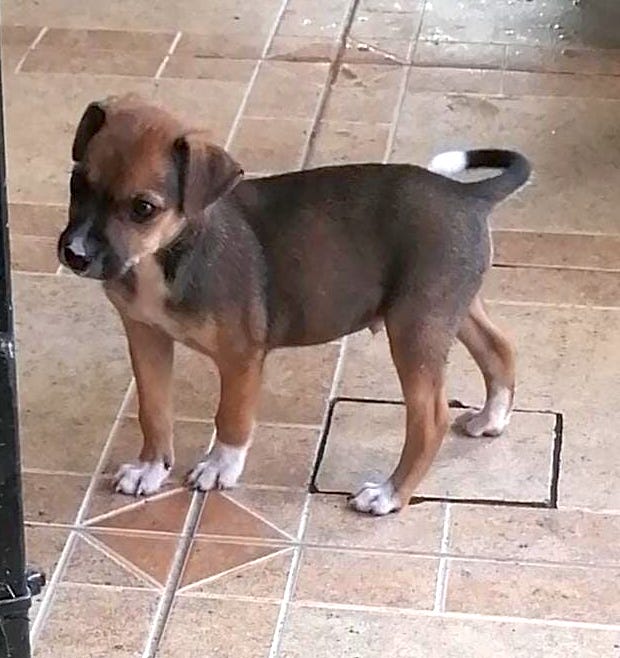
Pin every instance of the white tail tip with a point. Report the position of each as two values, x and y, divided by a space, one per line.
450 162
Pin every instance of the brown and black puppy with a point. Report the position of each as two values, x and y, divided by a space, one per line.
189 252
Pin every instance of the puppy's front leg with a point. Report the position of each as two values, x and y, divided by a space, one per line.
152 353
240 388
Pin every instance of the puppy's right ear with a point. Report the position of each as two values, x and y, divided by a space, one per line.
90 124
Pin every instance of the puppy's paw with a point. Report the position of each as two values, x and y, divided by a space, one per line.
141 478
492 419
220 470
376 499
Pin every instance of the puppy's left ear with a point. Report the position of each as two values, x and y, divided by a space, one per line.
206 172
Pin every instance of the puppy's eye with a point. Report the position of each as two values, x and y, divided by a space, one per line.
142 209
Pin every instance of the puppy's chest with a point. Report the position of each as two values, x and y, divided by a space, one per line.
147 300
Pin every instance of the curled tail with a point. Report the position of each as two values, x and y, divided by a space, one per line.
516 170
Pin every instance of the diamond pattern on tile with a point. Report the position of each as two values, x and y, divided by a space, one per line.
263 578
91 564
223 516
365 441
161 513
208 559
152 555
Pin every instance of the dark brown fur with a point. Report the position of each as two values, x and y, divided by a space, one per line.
237 268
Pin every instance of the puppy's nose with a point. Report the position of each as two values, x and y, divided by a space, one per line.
75 255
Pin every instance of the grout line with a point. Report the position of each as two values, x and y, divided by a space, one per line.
61 565
441 587
244 101
546 266
168 55
240 567
31 47
464 616
291 580
564 305
137 502
257 515
159 622
332 74
104 453
213 596
50 588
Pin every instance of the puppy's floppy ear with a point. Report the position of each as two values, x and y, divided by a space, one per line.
206 172
90 124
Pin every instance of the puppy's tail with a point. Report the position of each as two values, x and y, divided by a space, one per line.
516 170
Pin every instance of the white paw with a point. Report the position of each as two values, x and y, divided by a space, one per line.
376 499
141 478
220 470
492 419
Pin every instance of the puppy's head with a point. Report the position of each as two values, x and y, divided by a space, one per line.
138 178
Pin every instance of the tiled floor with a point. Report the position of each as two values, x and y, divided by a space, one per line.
515 547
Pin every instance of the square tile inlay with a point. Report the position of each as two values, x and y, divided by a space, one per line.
365 438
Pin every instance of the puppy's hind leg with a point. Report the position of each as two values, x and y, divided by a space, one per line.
419 353
494 355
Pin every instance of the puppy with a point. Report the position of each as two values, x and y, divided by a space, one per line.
189 252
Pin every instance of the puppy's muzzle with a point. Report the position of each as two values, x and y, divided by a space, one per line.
82 254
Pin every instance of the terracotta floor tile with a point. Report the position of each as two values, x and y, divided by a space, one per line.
90 564
92 621
295 387
35 219
221 515
563 60
465 55
263 578
70 346
367 634
244 46
44 546
41 175
454 80
88 40
530 534
343 143
270 145
282 508
306 18
18 35
588 477
50 498
553 286
160 513
365 441
366 579
277 93
416 529
105 500
216 69
520 83
95 62
378 50
209 104
281 456
303 48
238 629
12 55
34 254
556 249
365 92
523 23
369 25
209 559
151 555
215 18
518 590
